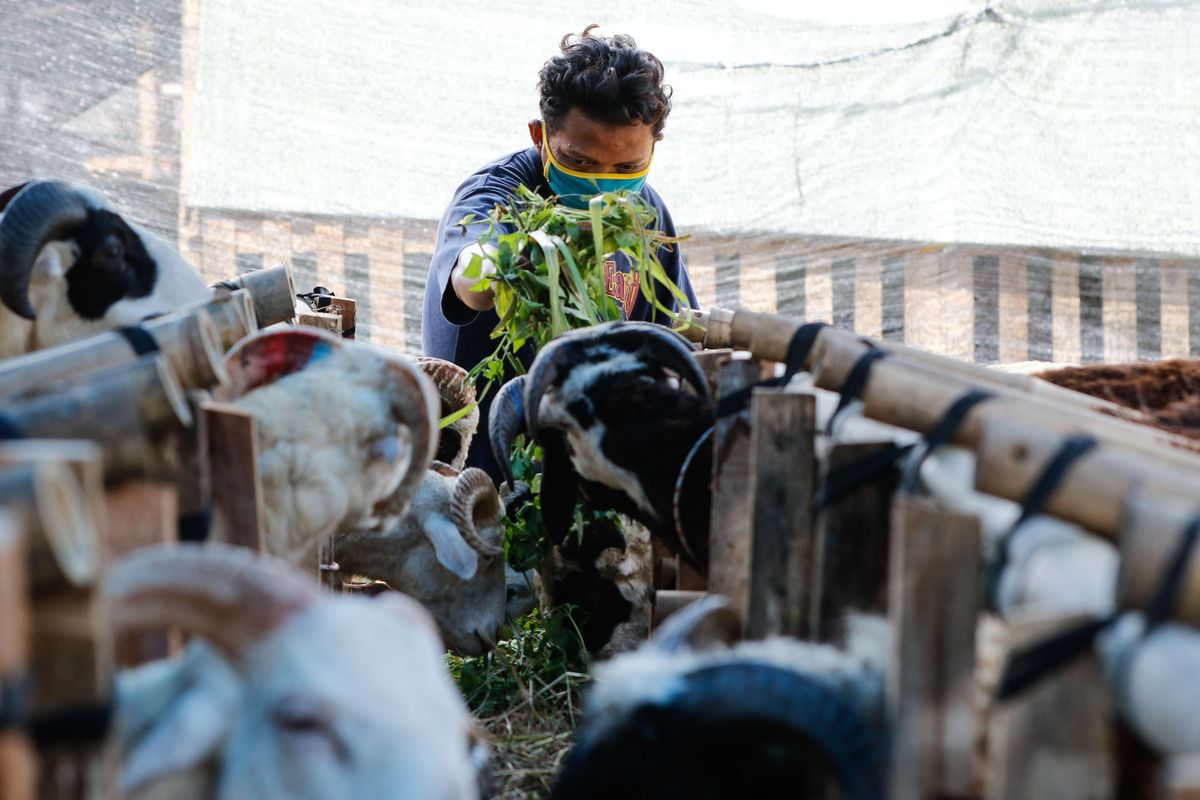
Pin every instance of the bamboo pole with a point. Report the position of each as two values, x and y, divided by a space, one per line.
136 413
767 336
233 315
190 343
274 293
54 510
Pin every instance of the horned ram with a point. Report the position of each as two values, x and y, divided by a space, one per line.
71 265
342 427
692 714
291 692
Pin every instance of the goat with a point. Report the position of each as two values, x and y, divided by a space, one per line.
295 693
691 715
342 426
617 428
70 266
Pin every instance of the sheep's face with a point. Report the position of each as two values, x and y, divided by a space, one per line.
336 707
470 612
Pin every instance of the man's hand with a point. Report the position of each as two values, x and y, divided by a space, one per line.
476 301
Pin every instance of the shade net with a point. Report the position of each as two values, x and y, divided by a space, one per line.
1004 182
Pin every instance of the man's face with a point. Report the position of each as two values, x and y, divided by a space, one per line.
585 145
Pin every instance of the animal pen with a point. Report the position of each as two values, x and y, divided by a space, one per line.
949 331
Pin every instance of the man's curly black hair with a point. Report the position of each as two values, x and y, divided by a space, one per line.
608 78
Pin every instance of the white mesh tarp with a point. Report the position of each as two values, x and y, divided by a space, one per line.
817 165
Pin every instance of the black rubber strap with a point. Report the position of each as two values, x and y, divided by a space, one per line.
15 692
1030 665
80 724
944 431
1162 606
846 478
855 383
1047 483
9 429
194 525
795 360
140 339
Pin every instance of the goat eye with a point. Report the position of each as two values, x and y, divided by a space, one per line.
305 720
110 255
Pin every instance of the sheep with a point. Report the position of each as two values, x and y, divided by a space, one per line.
289 692
342 426
692 715
616 428
445 549
70 266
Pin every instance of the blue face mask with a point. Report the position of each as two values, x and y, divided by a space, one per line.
574 189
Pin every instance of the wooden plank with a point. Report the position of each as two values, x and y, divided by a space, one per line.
818 289
782 483
757 277
934 584
347 310
1054 741
958 303
730 532
1119 290
141 513
232 452
386 253
700 258
73 662
923 300
1064 289
868 294
1014 309
331 255
850 570
218 236
1173 276
17 763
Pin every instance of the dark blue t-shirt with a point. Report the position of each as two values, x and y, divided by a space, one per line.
454 332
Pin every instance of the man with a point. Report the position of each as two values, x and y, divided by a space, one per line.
603 108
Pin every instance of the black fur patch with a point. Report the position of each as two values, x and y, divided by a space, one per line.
113 265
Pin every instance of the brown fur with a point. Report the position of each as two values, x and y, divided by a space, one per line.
1167 392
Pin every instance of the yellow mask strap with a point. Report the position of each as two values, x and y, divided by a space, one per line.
588 175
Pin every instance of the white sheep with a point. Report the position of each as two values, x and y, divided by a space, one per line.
297 694
342 426
71 266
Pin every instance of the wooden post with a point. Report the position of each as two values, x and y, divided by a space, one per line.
934 590
274 293
232 455
782 485
729 534
16 754
851 552
1054 741
348 310
141 513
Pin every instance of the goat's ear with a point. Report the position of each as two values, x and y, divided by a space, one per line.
451 549
8 194
190 733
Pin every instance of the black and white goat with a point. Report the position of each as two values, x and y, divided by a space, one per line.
617 422
693 715
70 265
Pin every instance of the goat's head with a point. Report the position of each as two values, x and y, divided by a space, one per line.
71 265
340 696
609 406
687 715
446 550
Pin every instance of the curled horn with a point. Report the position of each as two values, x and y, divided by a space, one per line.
475 504
229 595
456 393
654 343
415 405
505 422
706 624
42 211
